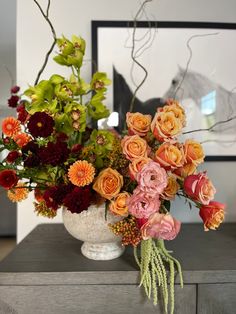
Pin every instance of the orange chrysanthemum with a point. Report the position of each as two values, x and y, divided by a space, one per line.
10 126
18 193
81 173
21 139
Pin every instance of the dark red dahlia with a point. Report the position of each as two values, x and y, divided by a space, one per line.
40 124
8 178
30 154
78 200
12 156
54 153
13 101
15 89
54 195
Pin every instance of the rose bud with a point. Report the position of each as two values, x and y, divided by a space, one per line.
212 215
76 148
13 101
15 89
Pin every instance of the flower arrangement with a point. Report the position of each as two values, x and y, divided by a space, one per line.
52 148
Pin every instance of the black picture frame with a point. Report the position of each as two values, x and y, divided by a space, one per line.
98 25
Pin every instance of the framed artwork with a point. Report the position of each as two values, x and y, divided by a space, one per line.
193 62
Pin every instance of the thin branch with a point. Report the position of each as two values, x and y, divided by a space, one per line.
211 128
190 58
133 54
54 41
48 8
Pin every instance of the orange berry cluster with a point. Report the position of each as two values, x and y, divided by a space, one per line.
128 230
42 210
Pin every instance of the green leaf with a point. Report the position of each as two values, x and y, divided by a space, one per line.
167 205
56 79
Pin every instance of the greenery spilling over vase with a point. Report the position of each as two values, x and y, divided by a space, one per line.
52 148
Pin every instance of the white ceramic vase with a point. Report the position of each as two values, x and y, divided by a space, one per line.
91 227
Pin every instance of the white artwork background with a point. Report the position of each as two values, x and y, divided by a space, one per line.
212 56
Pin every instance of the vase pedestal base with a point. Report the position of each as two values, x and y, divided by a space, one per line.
102 251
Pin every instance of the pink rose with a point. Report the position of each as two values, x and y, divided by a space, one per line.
152 179
161 226
142 205
199 188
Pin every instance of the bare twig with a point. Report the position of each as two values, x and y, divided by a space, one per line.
211 128
190 58
54 37
134 57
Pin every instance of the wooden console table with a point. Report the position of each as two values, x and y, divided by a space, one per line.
46 273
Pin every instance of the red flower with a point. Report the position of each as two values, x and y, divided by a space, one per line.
22 113
212 215
15 89
78 200
12 156
13 101
40 124
54 153
8 178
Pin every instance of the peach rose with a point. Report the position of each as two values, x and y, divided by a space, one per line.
138 123
137 165
212 215
134 147
199 188
118 206
171 189
108 183
187 169
193 152
175 107
170 156
160 226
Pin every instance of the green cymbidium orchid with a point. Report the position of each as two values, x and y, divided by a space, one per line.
96 109
99 82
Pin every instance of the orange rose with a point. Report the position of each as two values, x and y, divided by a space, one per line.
171 189
108 183
138 123
212 215
170 156
174 106
134 147
186 170
137 165
193 152
118 205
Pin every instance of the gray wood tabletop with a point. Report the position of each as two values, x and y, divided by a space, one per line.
206 257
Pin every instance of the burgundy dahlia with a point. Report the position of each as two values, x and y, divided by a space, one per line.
12 156
30 155
78 200
54 153
13 101
40 124
54 195
8 178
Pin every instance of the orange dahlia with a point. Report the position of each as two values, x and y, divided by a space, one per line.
21 139
18 193
81 173
10 126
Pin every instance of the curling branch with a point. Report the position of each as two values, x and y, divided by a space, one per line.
54 37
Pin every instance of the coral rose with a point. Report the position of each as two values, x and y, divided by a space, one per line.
142 205
170 156
118 206
8 178
212 215
171 189
160 226
193 152
137 165
134 147
199 188
108 183
138 123
152 179
174 106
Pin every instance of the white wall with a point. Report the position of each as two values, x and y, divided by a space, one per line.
74 17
